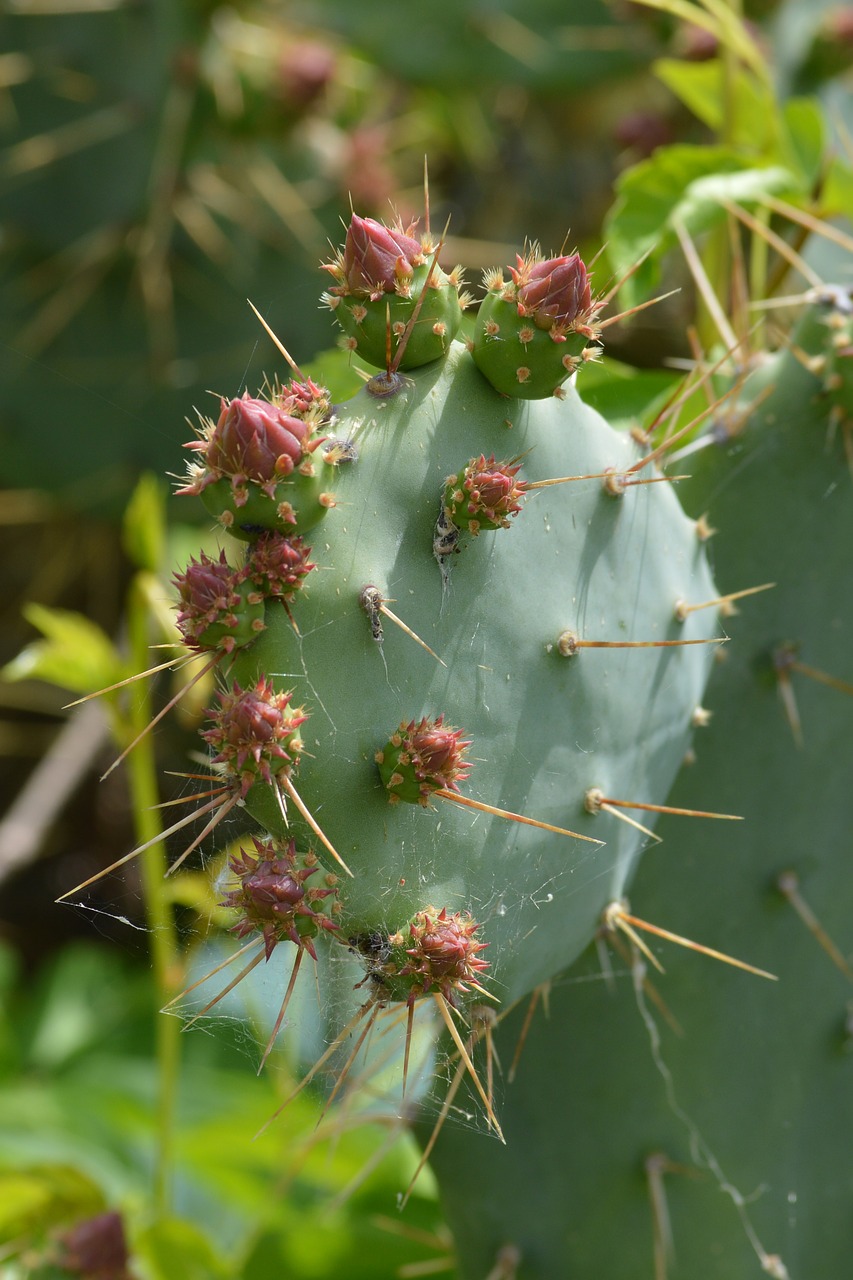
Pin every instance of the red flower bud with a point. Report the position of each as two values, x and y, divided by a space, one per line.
254 734
278 565
554 291
443 952
272 896
421 758
377 257
209 597
256 440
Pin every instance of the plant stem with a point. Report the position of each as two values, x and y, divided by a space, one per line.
165 955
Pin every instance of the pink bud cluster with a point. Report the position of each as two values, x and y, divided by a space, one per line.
277 566
484 494
421 758
210 604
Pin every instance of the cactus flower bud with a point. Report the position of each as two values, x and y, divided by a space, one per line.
272 896
257 466
554 291
255 440
378 258
535 330
484 494
384 280
254 734
421 758
277 566
216 610
440 953
96 1248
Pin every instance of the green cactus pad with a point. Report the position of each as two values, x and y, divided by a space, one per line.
543 727
717 1107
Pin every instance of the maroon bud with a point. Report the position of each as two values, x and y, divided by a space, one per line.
437 751
377 258
305 70
443 952
643 132
277 565
96 1249
254 734
555 291
255 440
272 896
213 613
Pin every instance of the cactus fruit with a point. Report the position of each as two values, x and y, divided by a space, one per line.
536 329
713 1083
391 298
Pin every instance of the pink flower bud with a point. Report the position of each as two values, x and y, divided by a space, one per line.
207 592
377 257
554 291
443 952
254 733
256 440
492 488
278 565
272 896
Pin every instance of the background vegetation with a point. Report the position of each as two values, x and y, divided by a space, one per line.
162 161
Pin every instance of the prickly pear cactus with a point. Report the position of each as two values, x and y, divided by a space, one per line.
717 1129
485 647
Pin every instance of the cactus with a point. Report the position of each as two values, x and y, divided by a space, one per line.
487 736
463 778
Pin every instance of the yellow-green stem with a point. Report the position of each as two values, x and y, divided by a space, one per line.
165 955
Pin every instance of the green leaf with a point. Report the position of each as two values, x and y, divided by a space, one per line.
36 1199
837 193
144 528
805 139
174 1247
740 107
75 653
679 184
